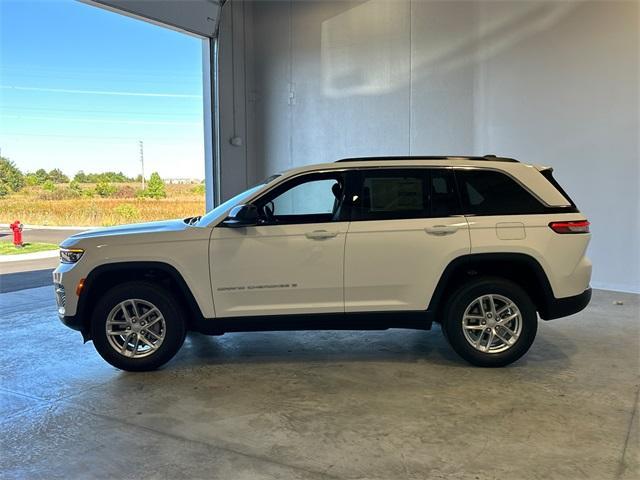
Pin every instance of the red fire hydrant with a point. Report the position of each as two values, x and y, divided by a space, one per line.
16 227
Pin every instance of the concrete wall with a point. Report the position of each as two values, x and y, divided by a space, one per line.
546 82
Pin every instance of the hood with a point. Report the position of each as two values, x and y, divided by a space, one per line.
135 228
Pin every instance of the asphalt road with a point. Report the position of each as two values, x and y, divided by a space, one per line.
38 235
12 282
25 274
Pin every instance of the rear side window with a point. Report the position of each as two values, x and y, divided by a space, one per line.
401 194
486 192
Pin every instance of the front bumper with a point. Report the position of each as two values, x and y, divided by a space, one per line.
67 276
64 281
563 307
72 321
75 322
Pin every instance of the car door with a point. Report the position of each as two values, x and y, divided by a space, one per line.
292 261
406 227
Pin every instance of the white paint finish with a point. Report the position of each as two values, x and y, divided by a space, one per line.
277 269
171 242
510 231
197 17
396 264
562 256
325 267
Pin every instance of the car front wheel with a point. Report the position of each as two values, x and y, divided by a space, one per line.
490 322
137 326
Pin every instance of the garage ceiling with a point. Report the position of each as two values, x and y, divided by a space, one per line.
198 17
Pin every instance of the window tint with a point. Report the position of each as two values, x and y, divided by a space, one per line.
485 192
396 194
314 198
443 195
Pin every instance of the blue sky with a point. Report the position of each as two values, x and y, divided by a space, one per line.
80 86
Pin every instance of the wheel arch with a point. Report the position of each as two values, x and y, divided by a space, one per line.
519 268
105 276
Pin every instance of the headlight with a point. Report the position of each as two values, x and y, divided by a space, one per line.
70 255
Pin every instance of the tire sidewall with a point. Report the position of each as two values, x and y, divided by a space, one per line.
174 323
462 299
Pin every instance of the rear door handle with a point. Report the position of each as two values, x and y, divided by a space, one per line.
320 234
441 230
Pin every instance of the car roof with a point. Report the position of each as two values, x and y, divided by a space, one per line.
491 158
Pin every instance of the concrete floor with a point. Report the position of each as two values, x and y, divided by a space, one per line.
374 405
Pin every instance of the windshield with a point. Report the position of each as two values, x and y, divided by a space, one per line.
232 202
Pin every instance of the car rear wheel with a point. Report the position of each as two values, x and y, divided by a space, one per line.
490 322
137 326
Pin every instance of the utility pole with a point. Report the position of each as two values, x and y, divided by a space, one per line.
142 160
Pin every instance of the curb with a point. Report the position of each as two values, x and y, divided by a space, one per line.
20 257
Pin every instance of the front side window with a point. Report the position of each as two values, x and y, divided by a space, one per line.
408 193
486 192
314 198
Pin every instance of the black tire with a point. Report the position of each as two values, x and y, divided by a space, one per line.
174 332
452 323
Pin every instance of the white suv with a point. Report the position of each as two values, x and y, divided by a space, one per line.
479 244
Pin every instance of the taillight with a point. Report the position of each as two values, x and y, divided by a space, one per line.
580 226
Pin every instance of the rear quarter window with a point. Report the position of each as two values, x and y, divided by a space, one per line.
487 192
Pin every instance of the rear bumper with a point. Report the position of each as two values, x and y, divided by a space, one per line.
563 307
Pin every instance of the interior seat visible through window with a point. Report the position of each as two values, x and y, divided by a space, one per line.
314 198
390 194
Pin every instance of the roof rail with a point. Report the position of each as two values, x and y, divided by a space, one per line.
489 158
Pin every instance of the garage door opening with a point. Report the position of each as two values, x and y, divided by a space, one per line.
102 117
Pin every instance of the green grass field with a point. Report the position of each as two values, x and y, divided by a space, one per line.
7 248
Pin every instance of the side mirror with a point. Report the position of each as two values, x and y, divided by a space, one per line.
241 216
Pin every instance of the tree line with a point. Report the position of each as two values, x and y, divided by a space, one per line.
13 180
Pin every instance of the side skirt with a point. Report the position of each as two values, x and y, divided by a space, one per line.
418 320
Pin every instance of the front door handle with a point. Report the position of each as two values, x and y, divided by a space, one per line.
441 230
320 234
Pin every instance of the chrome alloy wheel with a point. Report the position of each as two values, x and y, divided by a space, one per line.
135 328
492 323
